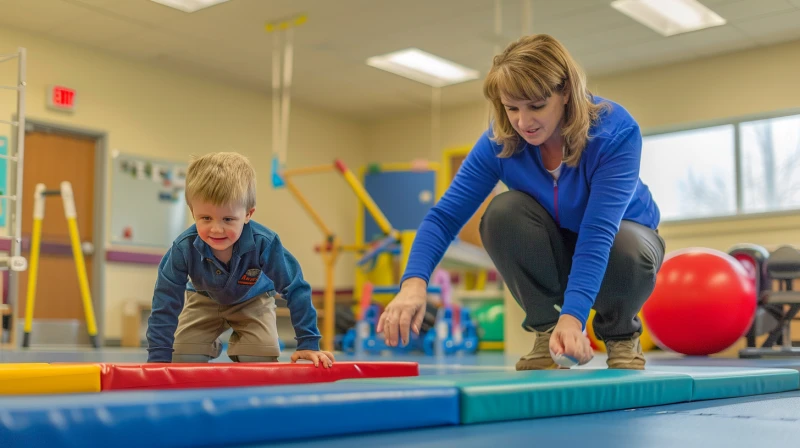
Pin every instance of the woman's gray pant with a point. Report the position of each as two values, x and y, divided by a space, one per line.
534 257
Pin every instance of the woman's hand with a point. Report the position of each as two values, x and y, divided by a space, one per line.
405 311
568 339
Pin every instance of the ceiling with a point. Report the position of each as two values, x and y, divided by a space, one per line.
227 42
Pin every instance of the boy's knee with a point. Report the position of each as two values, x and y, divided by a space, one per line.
181 358
250 358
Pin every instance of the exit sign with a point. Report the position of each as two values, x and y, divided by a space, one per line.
61 98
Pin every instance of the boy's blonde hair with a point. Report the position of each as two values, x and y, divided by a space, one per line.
222 178
532 69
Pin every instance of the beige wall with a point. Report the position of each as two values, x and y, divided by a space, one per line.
405 138
153 112
680 95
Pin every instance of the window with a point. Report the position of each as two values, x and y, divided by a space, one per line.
693 173
771 164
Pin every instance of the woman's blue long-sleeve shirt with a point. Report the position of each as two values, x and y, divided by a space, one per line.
590 199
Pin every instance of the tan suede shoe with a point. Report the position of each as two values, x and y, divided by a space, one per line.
625 354
539 358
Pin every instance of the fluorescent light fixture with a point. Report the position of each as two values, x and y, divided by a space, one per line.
670 17
189 5
423 67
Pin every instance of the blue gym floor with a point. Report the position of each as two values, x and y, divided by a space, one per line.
764 420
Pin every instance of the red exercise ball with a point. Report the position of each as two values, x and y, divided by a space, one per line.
703 302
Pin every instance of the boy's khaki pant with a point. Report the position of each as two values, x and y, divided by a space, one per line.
203 320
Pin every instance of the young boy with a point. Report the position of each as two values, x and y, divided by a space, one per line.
234 267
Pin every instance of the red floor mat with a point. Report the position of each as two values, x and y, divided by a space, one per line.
127 376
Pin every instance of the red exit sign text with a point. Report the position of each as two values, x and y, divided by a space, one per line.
61 98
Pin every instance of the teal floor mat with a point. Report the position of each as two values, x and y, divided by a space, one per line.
728 382
500 396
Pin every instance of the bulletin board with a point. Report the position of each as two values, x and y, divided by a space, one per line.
147 201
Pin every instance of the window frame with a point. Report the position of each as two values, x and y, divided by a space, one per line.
736 121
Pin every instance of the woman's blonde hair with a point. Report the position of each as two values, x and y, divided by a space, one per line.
222 178
532 69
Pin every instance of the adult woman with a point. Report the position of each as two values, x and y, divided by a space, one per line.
577 228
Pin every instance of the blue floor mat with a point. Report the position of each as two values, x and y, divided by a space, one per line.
221 417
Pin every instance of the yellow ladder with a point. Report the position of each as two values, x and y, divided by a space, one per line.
83 281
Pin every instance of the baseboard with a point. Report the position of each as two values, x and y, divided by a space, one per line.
113 342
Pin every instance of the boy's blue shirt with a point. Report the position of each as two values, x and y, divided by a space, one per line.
259 264
589 199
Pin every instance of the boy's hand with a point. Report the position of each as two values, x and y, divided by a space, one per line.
317 357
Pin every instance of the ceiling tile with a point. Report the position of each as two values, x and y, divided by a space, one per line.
542 12
145 45
748 9
772 28
392 23
657 48
565 8
237 23
612 38
710 41
217 59
37 15
586 21
92 28
641 55
460 44
189 64
144 12
602 66
717 2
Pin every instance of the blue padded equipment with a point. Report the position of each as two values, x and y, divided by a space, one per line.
221 417
496 396
728 382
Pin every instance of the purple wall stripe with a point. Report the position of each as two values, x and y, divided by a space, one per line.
133 257
50 248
